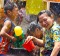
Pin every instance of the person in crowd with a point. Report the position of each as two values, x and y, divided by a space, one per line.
11 11
36 31
24 18
51 40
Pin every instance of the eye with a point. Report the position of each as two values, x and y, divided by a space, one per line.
45 19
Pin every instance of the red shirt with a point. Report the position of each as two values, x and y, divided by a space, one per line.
4 45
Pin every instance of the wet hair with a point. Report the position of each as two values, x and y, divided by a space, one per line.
49 13
22 4
28 31
9 6
32 28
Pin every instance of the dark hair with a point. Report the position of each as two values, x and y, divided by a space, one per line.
32 28
49 13
22 4
9 6
58 15
28 31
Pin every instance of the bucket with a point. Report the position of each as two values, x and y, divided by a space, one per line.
29 46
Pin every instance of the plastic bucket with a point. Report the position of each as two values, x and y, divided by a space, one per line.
29 46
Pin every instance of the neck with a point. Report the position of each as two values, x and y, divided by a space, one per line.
50 27
11 18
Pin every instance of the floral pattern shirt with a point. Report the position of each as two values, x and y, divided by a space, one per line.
52 35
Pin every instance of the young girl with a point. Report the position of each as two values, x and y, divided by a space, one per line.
36 31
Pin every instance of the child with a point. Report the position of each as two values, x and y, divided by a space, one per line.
36 31
11 11
51 34
25 19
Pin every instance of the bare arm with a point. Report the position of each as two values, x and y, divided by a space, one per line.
36 40
39 42
56 38
5 29
56 49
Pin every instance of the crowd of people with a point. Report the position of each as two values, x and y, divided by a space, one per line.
44 32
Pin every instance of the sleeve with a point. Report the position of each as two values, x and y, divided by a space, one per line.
56 35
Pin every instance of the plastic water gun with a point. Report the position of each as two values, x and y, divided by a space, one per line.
19 35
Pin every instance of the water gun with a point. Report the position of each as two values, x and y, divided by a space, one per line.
19 35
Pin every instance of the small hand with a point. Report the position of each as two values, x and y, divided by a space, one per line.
29 38
14 39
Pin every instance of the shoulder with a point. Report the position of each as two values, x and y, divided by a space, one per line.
7 22
55 26
56 29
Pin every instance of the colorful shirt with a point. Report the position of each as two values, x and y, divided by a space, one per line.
52 35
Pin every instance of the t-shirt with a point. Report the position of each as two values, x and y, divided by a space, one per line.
52 35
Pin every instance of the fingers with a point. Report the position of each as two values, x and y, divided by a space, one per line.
14 39
28 39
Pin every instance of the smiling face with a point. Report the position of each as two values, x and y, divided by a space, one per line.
45 20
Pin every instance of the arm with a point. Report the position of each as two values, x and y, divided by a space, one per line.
56 38
56 49
39 42
6 27
36 40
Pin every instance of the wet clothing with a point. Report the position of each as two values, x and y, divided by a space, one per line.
4 42
50 36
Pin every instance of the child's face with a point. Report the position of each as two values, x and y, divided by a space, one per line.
13 13
45 20
38 33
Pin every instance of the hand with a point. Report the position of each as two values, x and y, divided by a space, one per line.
29 38
14 39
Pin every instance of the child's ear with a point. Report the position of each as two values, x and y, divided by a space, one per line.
9 12
37 29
